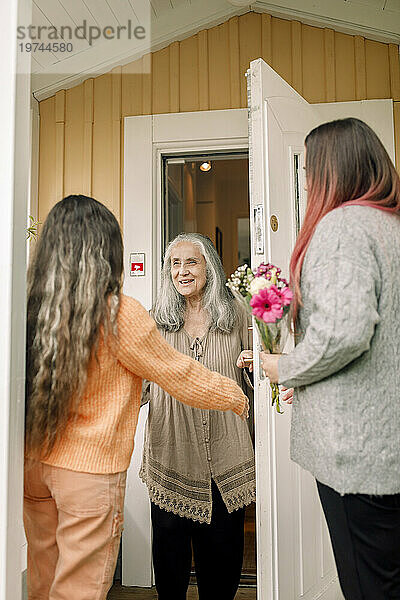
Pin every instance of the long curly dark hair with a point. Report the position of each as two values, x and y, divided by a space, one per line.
74 283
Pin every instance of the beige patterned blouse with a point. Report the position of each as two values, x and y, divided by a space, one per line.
186 447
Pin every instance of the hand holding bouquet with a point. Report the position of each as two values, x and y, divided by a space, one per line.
267 297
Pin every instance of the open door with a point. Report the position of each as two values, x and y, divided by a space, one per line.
293 548
294 557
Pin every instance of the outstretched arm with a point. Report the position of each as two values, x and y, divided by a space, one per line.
144 351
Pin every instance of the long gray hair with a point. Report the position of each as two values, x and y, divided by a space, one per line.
218 300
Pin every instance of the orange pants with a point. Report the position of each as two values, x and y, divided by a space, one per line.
73 523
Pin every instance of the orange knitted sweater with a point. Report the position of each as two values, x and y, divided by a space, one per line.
99 439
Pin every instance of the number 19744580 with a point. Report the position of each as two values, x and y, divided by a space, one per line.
42 47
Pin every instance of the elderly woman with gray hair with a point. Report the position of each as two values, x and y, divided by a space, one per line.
198 465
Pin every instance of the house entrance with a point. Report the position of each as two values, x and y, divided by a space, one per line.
209 194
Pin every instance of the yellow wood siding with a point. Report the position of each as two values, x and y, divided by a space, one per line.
47 157
80 129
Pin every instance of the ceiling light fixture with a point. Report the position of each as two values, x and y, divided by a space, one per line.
205 166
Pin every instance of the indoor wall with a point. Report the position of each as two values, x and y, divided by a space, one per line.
81 128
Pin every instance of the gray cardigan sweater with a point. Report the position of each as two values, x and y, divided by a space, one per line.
346 366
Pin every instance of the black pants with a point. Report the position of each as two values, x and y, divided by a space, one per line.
365 535
217 551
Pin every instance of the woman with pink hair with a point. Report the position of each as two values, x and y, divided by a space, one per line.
345 273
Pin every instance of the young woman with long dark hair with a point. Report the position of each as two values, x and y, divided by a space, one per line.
345 271
88 348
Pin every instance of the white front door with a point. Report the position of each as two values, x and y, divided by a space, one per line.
293 550
294 553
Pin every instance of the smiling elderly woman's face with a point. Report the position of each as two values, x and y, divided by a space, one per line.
188 269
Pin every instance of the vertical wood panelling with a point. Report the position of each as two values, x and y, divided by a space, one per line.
189 75
329 55
345 67
297 57
396 116
204 70
161 81
250 48
174 77
377 67
103 141
361 75
47 157
88 137
132 88
234 62
282 48
136 87
80 130
147 106
74 140
116 139
394 66
218 60
313 64
60 142
266 38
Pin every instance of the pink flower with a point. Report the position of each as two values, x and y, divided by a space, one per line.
267 305
267 271
285 294
263 269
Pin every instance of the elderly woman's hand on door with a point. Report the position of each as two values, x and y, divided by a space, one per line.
269 363
245 359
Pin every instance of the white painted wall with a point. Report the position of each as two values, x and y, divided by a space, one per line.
14 185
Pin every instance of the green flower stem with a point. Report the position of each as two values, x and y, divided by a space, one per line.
271 346
266 342
275 397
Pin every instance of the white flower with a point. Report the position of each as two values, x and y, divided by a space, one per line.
274 277
257 284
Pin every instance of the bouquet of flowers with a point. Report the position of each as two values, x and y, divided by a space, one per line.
267 297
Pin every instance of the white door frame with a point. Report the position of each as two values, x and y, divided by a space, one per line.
146 140
14 192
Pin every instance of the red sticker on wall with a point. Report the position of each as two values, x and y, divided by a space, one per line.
137 264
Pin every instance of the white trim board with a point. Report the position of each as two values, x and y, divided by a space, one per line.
352 17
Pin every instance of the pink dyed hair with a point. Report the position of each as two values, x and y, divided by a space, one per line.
346 164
